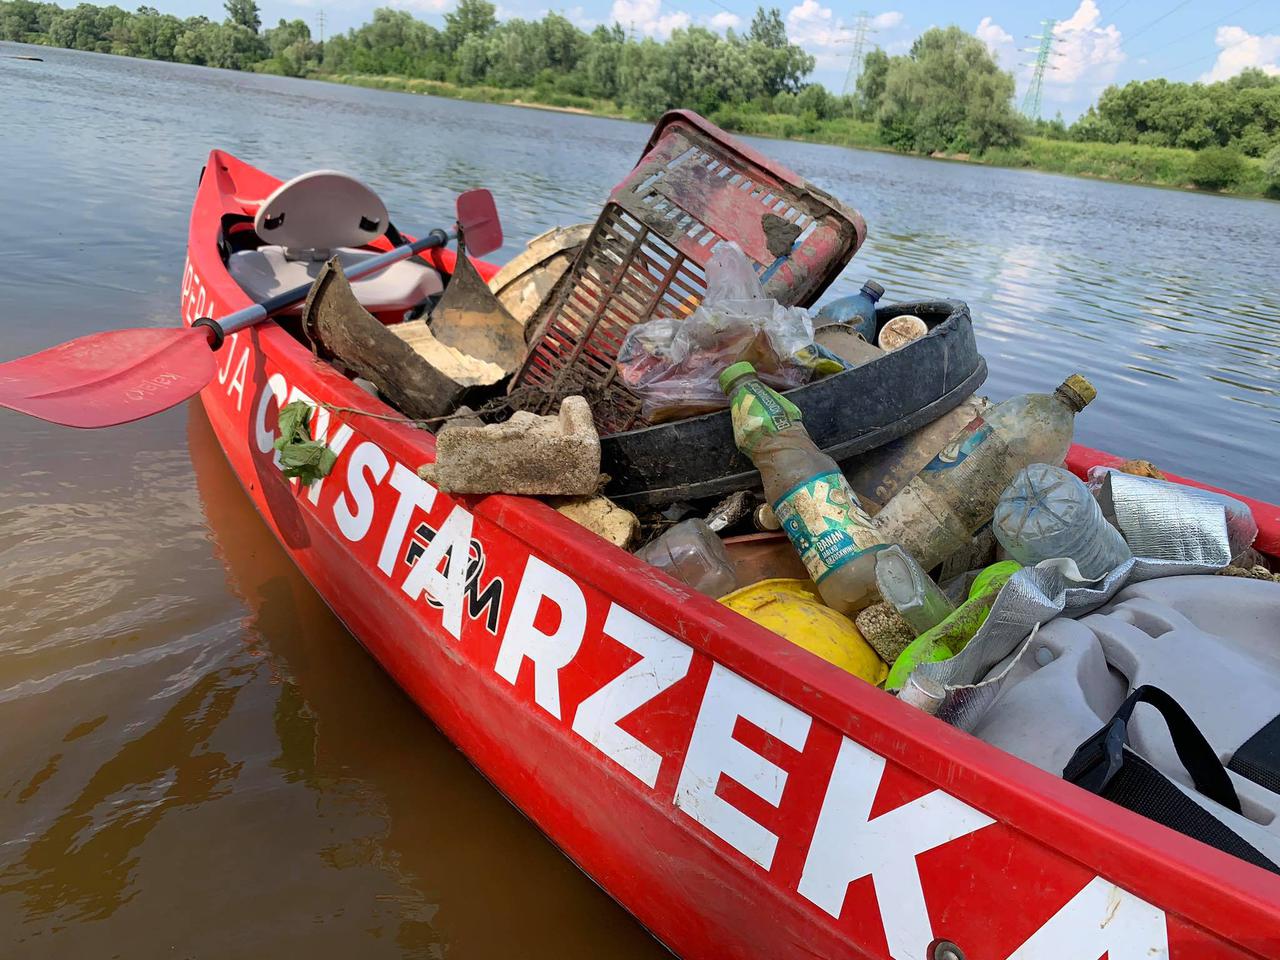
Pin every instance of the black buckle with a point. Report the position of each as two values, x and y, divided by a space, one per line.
1096 761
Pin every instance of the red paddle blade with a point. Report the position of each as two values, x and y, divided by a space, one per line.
107 378
478 218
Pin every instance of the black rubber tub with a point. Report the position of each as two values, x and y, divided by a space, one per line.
846 414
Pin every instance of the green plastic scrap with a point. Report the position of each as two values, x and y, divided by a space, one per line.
950 636
300 455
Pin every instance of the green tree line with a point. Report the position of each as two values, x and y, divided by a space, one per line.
945 95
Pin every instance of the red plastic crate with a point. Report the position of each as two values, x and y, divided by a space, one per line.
694 189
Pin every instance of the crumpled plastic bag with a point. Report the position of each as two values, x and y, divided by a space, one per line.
673 365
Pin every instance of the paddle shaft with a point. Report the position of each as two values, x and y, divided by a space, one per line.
286 299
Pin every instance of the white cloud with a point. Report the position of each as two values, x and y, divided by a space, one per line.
646 16
1238 49
724 20
886 21
1085 49
578 17
810 24
423 6
999 41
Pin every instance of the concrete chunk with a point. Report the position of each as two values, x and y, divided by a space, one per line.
603 517
527 454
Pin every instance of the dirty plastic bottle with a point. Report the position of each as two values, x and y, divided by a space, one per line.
857 310
693 554
936 513
877 475
1048 512
905 585
808 493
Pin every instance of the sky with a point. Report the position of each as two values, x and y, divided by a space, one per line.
1094 42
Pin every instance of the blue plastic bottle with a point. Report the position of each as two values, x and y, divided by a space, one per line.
857 310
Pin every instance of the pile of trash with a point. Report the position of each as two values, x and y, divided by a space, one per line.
926 564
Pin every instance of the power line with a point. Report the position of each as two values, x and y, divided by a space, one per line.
862 30
1196 32
1031 100
1206 56
1170 12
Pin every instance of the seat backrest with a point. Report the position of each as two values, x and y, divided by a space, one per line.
320 211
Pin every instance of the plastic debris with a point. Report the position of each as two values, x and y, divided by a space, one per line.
954 495
602 517
793 609
950 636
527 454
1048 512
846 343
904 585
693 554
809 494
879 474
672 364
856 312
900 331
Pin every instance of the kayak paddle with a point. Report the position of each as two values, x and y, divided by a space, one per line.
117 376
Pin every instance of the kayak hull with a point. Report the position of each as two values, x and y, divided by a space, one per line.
739 796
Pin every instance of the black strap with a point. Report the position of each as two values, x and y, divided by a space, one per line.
1258 758
1099 758
1105 765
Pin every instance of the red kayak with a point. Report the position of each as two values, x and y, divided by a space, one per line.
738 795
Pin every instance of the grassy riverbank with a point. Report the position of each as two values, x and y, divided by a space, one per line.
1121 162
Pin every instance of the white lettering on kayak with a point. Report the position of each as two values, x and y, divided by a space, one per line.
1100 919
414 493
663 662
279 389
547 625
353 509
550 649
848 845
449 588
237 379
713 751
225 370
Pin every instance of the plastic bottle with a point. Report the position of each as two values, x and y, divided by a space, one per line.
953 496
693 554
857 310
1046 512
807 491
877 475
903 583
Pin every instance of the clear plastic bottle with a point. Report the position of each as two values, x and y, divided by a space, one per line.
941 508
857 310
693 554
807 491
905 585
1047 512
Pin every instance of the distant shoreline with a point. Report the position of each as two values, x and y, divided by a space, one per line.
1126 163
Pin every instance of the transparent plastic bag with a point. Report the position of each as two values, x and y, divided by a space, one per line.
673 365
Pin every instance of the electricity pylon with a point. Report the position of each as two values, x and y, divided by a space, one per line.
1031 100
861 34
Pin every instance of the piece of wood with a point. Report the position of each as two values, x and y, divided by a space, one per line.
341 328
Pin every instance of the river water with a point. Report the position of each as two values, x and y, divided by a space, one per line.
196 759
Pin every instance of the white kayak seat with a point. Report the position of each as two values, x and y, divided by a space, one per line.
318 215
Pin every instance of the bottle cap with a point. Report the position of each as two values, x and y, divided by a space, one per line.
733 372
1077 392
874 289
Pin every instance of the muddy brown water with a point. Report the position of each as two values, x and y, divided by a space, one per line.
196 759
